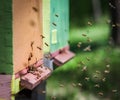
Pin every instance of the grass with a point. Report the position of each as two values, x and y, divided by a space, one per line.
70 82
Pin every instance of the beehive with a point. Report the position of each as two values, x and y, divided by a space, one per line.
20 41
56 29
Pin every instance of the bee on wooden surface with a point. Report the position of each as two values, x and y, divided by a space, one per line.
35 9
56 15
32 45
32 23
39 48
46 44
88 48
42 36
54 24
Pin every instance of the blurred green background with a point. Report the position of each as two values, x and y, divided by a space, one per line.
93 74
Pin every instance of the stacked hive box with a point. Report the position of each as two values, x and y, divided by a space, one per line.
21 43
31 30
56 30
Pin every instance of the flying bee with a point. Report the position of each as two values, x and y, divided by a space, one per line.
114 91
84 68
88 48
100 93
88 59
61 85
89 40
84 35
73 84
87 78
89 23
79 84
106 71
96 85
104 79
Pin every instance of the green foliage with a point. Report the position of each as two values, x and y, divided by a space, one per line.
91 75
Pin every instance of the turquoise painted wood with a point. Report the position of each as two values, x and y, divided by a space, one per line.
6 65
59 24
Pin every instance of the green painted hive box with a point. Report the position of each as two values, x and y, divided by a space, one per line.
56 30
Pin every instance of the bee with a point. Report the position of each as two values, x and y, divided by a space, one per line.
89 23
100 93
61 85
46 44
96 85
73 84
98 72
84 35
84 68
79 44
114 91
35 9
39 48
88 48
42 36
32 45
88 59
106 71
82 63
113 25
79 84
53 98
54 24
111 5
56 15
89 40
87 78
108 66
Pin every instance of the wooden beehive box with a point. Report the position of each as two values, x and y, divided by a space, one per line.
20 33
56 29
21 43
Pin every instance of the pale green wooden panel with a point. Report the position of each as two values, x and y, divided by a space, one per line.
59 24
46 24
6 65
